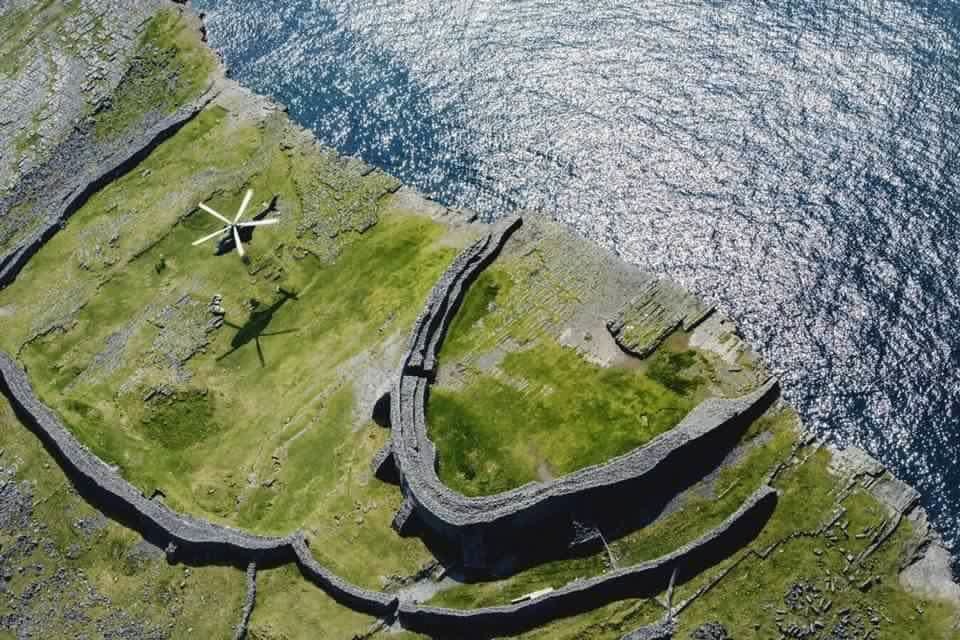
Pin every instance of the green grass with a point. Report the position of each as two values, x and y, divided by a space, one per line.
492 435
672 371
89 323
207 601
695 516
746 601
182 420
171 66
283 591
493 286
339 311
287 445
551 574
611 622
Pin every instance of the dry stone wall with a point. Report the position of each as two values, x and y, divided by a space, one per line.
80 168
479 526
639 581
249 600
426 499
116 495
184 537
375 603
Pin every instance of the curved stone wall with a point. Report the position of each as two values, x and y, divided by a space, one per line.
426 499
445 297
472 522
418 459
118 496
376 603
183 536
639 581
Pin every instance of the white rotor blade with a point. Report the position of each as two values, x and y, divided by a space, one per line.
212 235
258 223
243 206
214 213
236 239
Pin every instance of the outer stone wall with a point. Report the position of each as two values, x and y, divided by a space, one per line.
183 536
80 169
199 540
375 603
639 581
118 497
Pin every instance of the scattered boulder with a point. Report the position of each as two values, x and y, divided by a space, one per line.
710 631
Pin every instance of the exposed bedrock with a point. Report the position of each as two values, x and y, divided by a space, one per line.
642 324
639 581
81 167
663 630
538 515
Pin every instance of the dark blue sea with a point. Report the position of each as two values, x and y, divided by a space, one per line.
796 161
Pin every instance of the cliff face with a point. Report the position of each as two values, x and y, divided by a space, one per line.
581 449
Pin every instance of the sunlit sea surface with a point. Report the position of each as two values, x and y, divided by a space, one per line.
795 161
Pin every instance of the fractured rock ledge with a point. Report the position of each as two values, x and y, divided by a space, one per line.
646 321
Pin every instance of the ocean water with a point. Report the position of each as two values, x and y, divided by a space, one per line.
794 161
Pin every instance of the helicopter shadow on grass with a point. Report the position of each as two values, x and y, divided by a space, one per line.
256 327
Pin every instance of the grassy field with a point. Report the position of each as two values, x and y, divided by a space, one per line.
94 553
111 318
496 434
522 405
